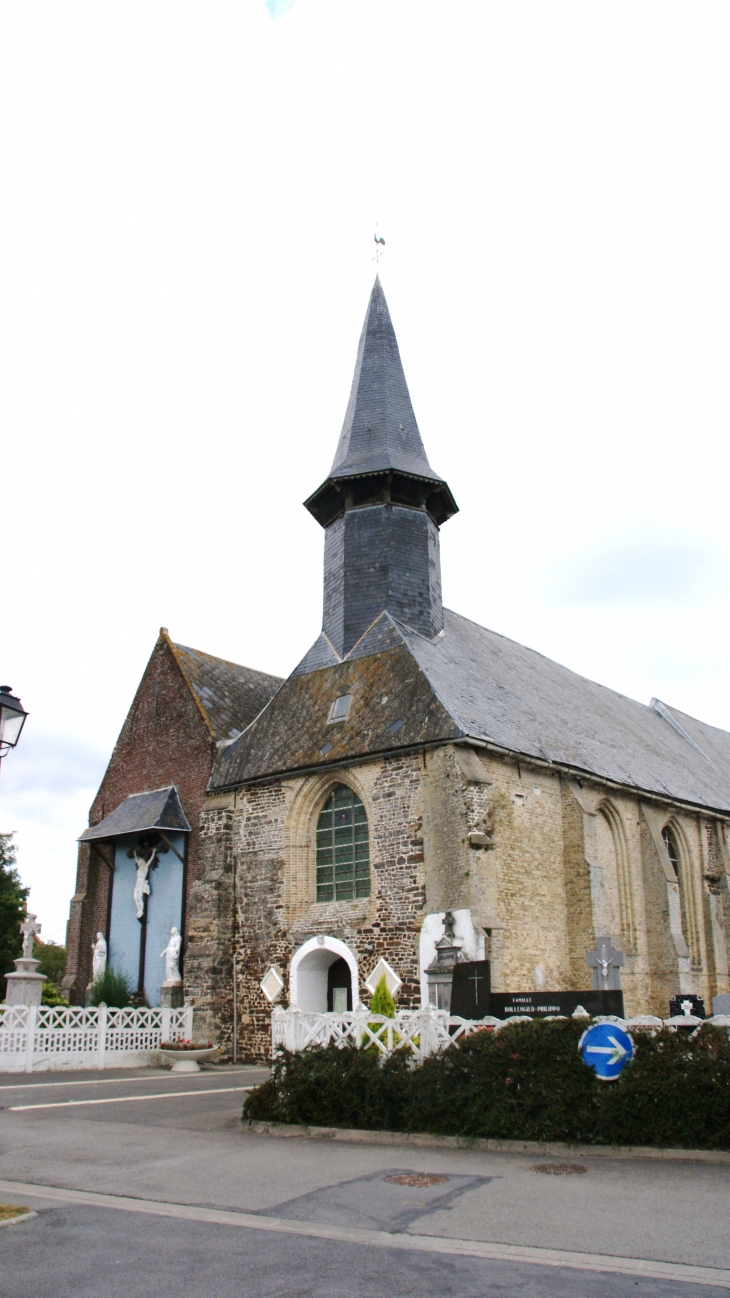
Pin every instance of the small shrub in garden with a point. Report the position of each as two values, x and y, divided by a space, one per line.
382 1001
113 988
52 995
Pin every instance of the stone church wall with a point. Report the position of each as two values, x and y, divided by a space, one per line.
562 864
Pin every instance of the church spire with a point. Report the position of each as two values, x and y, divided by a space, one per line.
380 455
382 504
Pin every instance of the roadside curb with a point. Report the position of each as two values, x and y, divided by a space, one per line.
423 1140
13 1221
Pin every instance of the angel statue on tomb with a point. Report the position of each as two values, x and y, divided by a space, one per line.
98 958
141 886
172 957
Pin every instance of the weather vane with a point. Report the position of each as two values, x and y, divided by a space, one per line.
379 246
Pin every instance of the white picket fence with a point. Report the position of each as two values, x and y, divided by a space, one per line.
38 1038
419 1031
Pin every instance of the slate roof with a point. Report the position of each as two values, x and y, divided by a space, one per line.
500 691
228 695
469 682
380 434
158 809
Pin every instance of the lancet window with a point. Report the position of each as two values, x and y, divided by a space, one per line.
343 847
671 846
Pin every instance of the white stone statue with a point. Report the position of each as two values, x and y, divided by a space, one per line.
172 957
98 962
141 886
29 928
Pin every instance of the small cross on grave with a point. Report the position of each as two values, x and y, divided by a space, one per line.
476 978
606 961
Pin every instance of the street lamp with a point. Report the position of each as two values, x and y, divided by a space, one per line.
12 719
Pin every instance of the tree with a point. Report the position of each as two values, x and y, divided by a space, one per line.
52 960
13 897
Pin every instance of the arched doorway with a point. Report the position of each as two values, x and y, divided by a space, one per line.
339 987
317 977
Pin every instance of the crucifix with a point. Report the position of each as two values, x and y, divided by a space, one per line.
606 962
29 928
143 853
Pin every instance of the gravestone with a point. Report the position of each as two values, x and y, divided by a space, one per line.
687 1004
470 990
721 1003
504 1005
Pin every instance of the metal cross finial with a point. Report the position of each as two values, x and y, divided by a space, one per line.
379 246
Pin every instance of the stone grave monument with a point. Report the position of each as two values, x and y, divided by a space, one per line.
440 972
25 986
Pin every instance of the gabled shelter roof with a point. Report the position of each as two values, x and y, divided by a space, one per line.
156 809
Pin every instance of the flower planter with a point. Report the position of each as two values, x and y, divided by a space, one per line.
188 1061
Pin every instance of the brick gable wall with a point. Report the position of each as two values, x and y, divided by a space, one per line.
164 740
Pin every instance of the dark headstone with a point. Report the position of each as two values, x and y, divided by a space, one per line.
698 1005
470 989
539 1004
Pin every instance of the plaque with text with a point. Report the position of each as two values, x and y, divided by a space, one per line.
503 1005
470 989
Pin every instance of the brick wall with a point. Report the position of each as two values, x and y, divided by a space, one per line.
164 740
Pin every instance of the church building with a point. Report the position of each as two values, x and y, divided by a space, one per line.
413 763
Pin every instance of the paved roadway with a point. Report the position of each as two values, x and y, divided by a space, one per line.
145 1183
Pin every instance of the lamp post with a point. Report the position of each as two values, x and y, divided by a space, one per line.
12 719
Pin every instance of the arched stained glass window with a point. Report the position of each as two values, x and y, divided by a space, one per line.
343 848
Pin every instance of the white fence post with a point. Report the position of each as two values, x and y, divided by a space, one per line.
165 1016
30 1026
189 1020
101 1038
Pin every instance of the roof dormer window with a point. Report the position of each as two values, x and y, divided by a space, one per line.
339 709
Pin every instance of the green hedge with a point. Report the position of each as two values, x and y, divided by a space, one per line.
527 1082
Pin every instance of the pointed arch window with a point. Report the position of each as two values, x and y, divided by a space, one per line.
343 847
670 843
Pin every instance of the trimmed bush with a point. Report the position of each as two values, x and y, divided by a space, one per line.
113 989
526 1082
382 1002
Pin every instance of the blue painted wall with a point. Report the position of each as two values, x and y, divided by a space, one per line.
164 908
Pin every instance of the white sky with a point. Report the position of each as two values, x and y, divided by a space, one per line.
189 194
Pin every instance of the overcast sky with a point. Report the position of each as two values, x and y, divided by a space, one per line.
189 195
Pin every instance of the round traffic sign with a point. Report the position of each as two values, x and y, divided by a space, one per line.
607 1048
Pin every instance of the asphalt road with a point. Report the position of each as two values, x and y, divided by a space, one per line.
145 1183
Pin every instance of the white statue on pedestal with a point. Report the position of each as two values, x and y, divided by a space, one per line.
141 886
29 928
172 957
98 962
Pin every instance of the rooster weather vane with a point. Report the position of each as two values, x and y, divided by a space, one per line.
379 246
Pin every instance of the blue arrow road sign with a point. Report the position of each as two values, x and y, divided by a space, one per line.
607 1048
